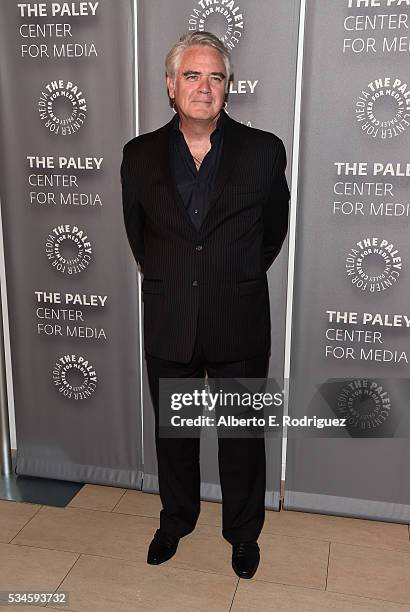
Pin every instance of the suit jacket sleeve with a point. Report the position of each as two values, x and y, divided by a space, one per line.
132 208
276 210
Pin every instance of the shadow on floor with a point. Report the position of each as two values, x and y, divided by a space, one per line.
45 491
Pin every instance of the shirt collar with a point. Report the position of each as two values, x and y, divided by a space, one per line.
218 129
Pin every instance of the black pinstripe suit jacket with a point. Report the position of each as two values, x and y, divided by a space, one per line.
215 276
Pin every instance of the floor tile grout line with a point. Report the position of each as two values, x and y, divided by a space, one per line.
362 545
233 598
25 524
75 552
367 546
203 571
63 508
298 586
63 550
73 564
114 511
327 567
397 603
88 508
157 517
133 561
290 584
116 504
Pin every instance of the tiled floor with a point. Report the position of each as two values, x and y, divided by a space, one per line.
95 549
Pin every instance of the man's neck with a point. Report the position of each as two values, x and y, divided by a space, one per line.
197 130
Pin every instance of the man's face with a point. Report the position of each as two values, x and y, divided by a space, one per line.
199 86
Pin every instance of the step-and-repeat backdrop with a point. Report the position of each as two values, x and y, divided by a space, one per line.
351 325
67 107
66 110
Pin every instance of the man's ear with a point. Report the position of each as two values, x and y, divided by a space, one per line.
171 87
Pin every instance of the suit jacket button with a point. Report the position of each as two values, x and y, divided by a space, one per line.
195 283
199 247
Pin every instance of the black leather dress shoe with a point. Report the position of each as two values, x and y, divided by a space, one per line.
162 548
245 559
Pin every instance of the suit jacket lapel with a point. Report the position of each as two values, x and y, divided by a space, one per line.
230 150
161 153
167 174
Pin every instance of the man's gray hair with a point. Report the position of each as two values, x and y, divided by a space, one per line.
173 58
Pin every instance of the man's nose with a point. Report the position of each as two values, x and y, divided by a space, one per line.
204 84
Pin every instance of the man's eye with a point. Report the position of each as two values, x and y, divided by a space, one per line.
191 77
218 79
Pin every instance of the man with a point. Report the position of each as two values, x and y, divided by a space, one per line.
206 209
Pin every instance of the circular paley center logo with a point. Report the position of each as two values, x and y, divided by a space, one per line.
62 107
364 404
223 18
373 265
74 377
68 249
383 108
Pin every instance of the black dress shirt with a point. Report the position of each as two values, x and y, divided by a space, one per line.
195 186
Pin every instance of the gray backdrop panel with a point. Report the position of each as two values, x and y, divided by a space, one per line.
97 439
266 53
354 476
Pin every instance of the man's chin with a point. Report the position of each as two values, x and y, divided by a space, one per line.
205 114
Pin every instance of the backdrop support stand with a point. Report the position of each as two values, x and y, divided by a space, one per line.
6 465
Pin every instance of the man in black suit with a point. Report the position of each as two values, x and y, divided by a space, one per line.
206 211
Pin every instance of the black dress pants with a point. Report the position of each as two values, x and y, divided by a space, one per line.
242 464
